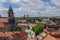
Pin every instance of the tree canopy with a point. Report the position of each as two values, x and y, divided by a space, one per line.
17 29
38 28
39 19
30 19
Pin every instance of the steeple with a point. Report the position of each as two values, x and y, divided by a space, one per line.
11 15
11 19
10 12
10 8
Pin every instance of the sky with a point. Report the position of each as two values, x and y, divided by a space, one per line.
33 8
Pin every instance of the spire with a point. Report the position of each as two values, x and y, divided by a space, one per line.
10 8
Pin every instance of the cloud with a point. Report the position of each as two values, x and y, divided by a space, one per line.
15 1
33 8
3 11
36 8
30 7
2 0
57 2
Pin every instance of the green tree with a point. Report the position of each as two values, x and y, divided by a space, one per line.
39 19
38 28
17 29
30 19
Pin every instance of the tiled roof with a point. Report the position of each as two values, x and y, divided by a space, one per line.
22 34
43 34
1 34
30 38
48 37
3 19
1 25
3 22
10 34
55 33
52 33
58 38
20 24
26 24
6 34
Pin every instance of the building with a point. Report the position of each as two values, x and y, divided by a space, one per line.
47 22
12 36
8 23
4 24
11 19
56 19
55 34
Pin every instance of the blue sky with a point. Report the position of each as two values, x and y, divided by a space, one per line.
34 8
6 5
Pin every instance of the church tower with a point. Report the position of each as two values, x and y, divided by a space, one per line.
11 18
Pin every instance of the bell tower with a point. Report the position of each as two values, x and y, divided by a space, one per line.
11 18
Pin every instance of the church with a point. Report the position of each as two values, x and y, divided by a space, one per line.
8 23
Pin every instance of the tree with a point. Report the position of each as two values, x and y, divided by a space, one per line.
30 19
17 29
38 28
39 19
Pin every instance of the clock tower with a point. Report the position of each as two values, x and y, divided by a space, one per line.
11 19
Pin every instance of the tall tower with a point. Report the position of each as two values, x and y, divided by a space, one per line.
11 19
27 15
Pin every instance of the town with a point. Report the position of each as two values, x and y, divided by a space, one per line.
29 28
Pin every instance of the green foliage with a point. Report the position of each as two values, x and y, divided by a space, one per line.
39 19
38 28
17 29
30 19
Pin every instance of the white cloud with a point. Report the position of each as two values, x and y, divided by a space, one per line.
2 0
15 1
57 2
34 8
29 7
3 11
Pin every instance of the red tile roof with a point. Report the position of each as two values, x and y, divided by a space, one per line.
48 37
1 25
58 38
22 34
3 22
3 19
25 24
10 34
31 39
52 33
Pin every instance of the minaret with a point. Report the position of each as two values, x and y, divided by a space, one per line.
11 19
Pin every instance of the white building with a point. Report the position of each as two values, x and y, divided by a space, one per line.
31 34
